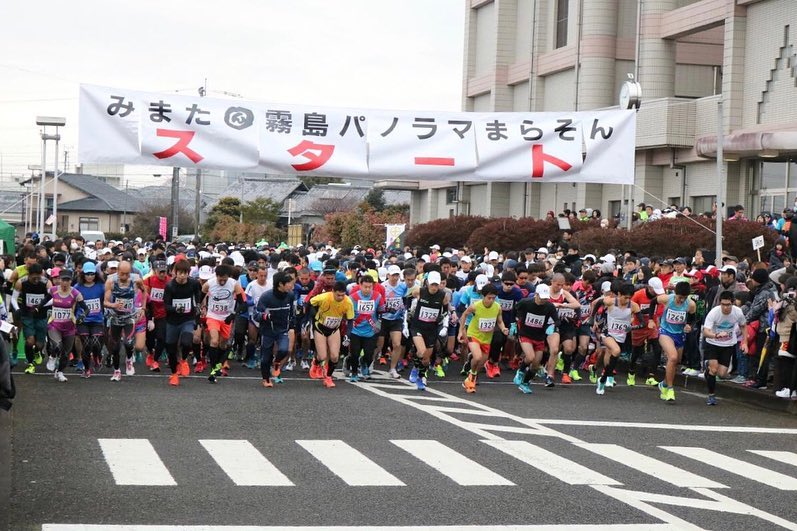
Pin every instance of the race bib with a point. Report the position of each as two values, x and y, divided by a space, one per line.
93 305
618 327
33 299
393 304
156 294
182 305
585 308
567 313
332 322
428 315
506 306
220 308
365 307
486 325
62 314
534 321
675 317
127 305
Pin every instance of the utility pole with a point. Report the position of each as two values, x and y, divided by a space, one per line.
175 201
721 179
198 200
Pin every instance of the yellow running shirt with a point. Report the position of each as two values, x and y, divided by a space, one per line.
330 312
484 321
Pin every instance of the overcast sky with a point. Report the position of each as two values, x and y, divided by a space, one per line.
401 54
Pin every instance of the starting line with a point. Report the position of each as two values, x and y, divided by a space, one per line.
624 527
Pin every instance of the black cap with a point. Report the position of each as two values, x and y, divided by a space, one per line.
252 265
65 273
160 265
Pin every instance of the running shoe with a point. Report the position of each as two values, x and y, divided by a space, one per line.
566 379
354 378
156 367
439 372
214 372
518 379
711 400
783 393
130 370
549 381
421 383
514 364
382 360
400 365
560 364
183 369
593 376
541 373
497 370
59 376
315 371
469 384
305 365
365 373
225 371
117 376
610 381
38 359
150 360
87 373
671 394
663 391
277 379
200 367
290 366
651 381
393 373
79 367
226 364
454 356
574 375
524 387
328 383
630 380
31 369
275 371
739 379
690 372
267 384
601 389
413 375
174 379
51 363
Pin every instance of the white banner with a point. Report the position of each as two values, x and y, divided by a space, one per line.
393 232
125 126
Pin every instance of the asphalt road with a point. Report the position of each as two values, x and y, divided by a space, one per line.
60 473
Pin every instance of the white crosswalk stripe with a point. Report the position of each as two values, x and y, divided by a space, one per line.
135 462
790 458
463 470
737 466
244 464
349 464
652 467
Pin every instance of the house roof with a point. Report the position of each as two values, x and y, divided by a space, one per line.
102 196
158 195
278 190
307 204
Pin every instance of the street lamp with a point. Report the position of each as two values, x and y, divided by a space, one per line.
56 122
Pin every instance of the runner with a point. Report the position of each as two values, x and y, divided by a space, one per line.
566 305
676 322
720 330
393 317
329 309
154 286
223 299
368 305
479 333
569 317
120 296
304 285
91 323
275 314
508 296
254 290
620 312
182 298
28 298
61 329
426 320
537 320
645 346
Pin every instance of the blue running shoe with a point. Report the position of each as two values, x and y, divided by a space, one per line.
525 388
277 380
610 381
601 388
549 381
354 378
421 383
711 400
251 363
366 372
413 375
79 366
518 379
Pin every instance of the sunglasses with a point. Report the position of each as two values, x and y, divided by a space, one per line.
509 283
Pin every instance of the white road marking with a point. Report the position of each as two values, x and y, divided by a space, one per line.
552 464
576 527
463 470
650 466
654 426
790 458
736 466
244 464
349 464
135 462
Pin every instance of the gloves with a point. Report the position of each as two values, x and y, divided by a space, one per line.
550 330
513 330
80 318
230 318
406 330
346 340
443 331
151 325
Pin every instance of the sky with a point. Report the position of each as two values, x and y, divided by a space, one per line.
401 54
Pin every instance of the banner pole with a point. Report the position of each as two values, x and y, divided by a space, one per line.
721 179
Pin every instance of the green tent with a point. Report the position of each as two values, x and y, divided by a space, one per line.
8 234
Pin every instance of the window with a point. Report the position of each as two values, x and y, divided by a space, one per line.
451 196
674 201
562 7
451 212
614 208
773 175
89 224
703 203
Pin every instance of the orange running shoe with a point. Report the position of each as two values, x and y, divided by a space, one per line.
382 360
328 383
155 367
566 379
183 369
267 384
200 366
316 373
150 360
469 384
275 371
174 379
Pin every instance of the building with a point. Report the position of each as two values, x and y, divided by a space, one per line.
555 55
276 188
310 207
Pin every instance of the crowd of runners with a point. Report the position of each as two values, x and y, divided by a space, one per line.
553 314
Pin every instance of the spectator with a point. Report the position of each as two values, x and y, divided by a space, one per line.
738 214
778 253
643 212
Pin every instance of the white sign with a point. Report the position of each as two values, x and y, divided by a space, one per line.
393 232
131 127
758 243
50 219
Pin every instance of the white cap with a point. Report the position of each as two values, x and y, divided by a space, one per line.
608 258
203 254
382 272
170 260
435 246
466 259
142 251
426 258
205 272
493 255
105 251
590 256
394 270
237 258
481 281
283 266
656 285
543 291
710 268
447 254
433 278
728 269
113 263
606 286
542 250
407 256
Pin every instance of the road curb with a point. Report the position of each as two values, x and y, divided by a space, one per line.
763 398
